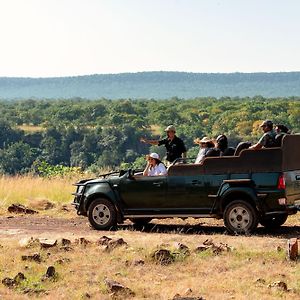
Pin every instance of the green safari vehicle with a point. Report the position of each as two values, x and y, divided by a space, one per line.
258 186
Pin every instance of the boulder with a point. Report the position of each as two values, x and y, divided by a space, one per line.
280 285
20 209
35 257
163 256
47 243
118 289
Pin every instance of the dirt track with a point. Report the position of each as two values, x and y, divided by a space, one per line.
16 226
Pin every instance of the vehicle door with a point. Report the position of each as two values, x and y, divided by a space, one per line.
143 192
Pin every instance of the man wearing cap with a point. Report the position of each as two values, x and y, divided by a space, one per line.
174 145
268 138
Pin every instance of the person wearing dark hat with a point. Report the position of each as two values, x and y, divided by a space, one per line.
268 138
174 145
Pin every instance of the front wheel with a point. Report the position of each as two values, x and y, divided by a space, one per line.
240 217
102 214
273 222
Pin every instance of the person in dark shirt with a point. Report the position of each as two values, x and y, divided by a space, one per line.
174 145
268 138
222 145
281 130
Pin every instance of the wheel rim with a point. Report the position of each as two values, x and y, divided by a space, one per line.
101 214
239 218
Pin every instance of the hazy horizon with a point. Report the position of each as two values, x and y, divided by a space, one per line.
160 71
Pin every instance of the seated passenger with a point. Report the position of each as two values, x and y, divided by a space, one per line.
281 131
207 149
222 145
154 166
268 138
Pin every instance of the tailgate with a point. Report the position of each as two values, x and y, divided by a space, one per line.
291 167
292 183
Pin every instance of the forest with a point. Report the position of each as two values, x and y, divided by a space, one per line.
97 134
155 85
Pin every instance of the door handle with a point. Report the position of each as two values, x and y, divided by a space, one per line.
196 182
157 184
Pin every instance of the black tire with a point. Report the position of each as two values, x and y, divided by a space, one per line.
274 221
240 217
102 214
141 221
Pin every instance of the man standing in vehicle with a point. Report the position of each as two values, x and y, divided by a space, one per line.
174 145
268 138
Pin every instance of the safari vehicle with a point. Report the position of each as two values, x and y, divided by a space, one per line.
261 186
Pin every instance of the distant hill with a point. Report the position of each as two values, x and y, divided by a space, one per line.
158 85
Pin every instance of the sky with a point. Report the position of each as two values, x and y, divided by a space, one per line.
54 38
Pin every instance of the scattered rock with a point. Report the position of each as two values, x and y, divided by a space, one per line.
182 248
110 243
163 256
20 209
47 243
63 261
86 296
260 280
292 249
216 248
12 282
103 241
50 273
64 242
117 288
65 208
19 278
41 204
178 297
8 282
138 262
28 242
35 257
281 285
188 291
82 242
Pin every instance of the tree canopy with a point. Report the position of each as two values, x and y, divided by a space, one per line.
106 133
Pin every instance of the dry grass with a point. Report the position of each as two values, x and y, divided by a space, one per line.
230 275
22 189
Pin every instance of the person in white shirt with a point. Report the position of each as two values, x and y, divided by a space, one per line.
206 145
154 166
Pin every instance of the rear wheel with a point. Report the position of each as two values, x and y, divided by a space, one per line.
141 221
274 221
102 214
240 217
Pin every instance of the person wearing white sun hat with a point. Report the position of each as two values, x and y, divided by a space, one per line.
154 166
206 144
